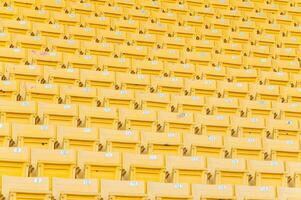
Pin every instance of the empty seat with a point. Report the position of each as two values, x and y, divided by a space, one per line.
53 163
26 188
171 85
111 11
139 14
293 170
18 111
223 106
62 76
283 129
274 78
85 189
29 42
265 92
110 189
58 114
49 30
179 191
48 93
77 138
67 19
153 67
116 98
194 104
202 191
63 45
270 173
198 58
12 55
186 169
119 140
287 66
98 49
212 124
243 75
230 61
80 61
129 25
257 52
153 101
247 148
290 94
8 12
116 37
282 150
44 58
138 119
28 73
9 90
158 29
115 64
260 64
36 16
233 90
51 5
5 134
146 40
249 127
15 26
181 70
260 108
99 165
166 55
137 82
172 42
201 87
34 136
102 117
176 122
161 143
100 79
288 193
287 110
255 192
101 22
78 95
144 167
212 73
203 145
201 45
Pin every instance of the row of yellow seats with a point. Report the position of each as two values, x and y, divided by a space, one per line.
154 167
60 188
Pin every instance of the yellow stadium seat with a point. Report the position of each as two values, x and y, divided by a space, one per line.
166 55
77 138
18 111
295 79
258 18
176 122
287 66
275 78
48 93
198 58
220 24
115 64
290 94
270 173
239 37
205 11
78 95
81 33
288 193
260 108
265 92
110 11
243 75
99 23
120 140
285 53
206 192
43 58
293 170
171 85
51 5
258 51
5 39
161 143
245 6
100 165
201 87
98 49
9 90
228 171
61 76
133 52
99 79
173 42
147 40
265 39
212 73
162 191
48 30
139 14
212 124
14 161
26 188
195 21
140 167
128 26
233 90
67 19
284 129
12 55
111 189
146 67
260 64
152 101
100 117
29 42
158 29
17 27
186 169
180 70
63 46
282 150
138 119
116 37
245 27
201 45
116 98
99 2
137 82
214 35
249 126
80 61
247 148
168 18
38 16
204 145
85 189
230 61
194 104
5 134
230 49
291 42
58 114
8 12
223 106
185 32
82 8
287 110
272 29
53 163
21 73
34 136
255 192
